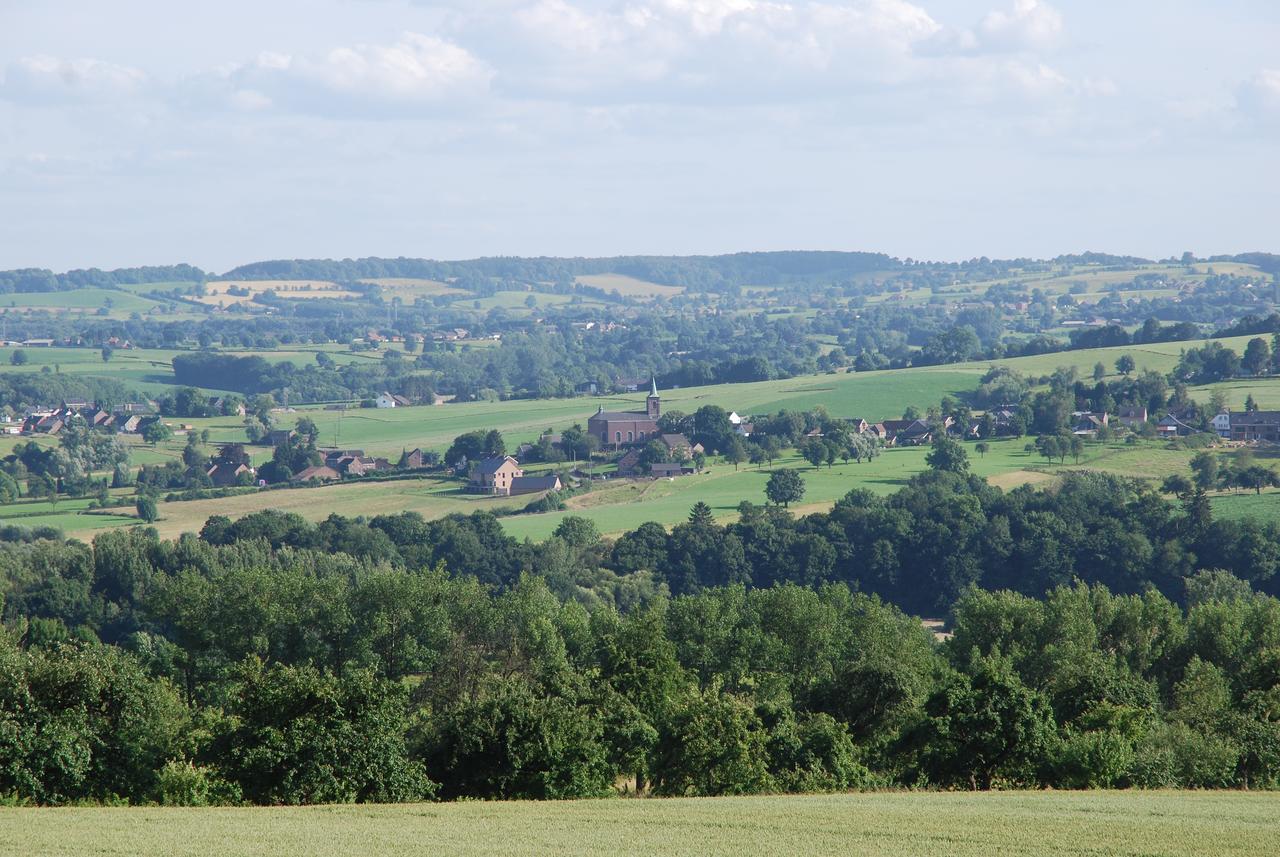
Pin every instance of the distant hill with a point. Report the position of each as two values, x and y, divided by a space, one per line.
710 273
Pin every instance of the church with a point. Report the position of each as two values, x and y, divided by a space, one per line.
616 429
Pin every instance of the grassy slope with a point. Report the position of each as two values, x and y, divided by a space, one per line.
874 395
1177 824
431 498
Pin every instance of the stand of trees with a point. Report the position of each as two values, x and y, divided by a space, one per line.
1102 638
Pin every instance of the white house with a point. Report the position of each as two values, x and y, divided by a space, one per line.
386 400
1222 425
735 419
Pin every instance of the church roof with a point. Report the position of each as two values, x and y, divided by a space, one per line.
621 416
653 387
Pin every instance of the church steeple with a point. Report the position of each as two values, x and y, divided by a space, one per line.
653 405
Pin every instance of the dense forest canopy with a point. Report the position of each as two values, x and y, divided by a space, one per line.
275 661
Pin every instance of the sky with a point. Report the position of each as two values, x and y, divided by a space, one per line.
153 132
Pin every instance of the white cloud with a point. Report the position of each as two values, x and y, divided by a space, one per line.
659 49
415 71
1030 25
46 80
1259 96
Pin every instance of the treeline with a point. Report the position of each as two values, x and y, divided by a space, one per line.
44 280
706 273
280 675
20 391
919 548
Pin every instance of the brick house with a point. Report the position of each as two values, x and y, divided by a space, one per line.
617 429
1255 425
495 475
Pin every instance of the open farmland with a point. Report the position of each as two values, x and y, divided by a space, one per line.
1118 824
217 292
103 303
629 287
431 498
409 289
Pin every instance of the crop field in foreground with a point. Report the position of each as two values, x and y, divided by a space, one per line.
1177 824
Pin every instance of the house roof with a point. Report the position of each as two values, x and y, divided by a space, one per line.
675 440
535 483
492 465
1255 418
320 471
620 416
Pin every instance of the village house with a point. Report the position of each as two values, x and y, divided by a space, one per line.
222 404
391 400
224 474
319 473
414 460
494 475
1087 423
909 432
629 464
617 429
679 445
1222 424
1132 417
1170 426
535 484
1255 425
670 469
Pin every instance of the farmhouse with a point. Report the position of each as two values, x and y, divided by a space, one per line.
494 475
1255 425
391 400
1222 424
535 484
319 473
617 429
224 474
414 460
1088 422
660 469
1171 426
1133 417
679 445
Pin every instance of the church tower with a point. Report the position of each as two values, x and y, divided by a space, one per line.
653 404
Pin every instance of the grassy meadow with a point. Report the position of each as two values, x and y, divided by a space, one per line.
629 287
1066 824
620 507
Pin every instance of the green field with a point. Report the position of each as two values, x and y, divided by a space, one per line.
432 498
629 287
117 303
1151 824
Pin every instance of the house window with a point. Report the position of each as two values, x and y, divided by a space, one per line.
630 437
617 437
642 436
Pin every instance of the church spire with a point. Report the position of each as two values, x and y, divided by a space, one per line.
653 386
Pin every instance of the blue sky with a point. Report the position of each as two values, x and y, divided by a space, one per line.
137 131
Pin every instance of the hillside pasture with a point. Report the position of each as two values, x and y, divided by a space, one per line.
905 824
629 287
409 289
217 292
108 303
431 498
